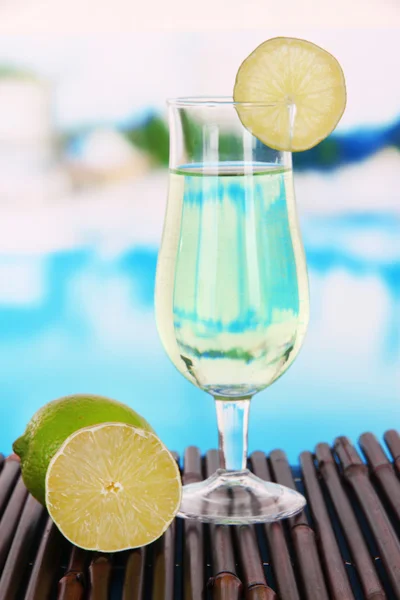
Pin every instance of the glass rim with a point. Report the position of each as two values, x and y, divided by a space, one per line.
214 101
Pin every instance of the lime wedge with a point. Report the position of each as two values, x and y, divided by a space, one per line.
300 89
112 486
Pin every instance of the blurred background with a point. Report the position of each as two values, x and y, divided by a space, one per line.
83 179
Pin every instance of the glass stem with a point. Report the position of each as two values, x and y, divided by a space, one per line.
233 421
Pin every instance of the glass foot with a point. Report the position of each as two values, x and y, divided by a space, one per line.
238 498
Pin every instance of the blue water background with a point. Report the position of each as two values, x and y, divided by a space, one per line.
92 329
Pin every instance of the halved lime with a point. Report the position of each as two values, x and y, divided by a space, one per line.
300 90
112 486
54 422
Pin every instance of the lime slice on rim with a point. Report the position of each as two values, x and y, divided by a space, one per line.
300 89
112 487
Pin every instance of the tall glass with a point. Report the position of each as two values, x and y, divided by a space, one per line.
231 290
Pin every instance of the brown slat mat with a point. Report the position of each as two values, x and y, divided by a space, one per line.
372 587
43 580
303 537
8 476
225 582
10 520
345 545
164 563
194 534
338 582
392 439
134 575
275 533
382 470
72 586
100 576
254 581
356 473
18 557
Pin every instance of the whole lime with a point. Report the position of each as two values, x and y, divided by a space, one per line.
54 422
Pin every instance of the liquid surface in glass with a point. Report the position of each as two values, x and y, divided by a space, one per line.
232 289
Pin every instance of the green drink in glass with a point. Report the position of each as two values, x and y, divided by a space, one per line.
232 303
231 291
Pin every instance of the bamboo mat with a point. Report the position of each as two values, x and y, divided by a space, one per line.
344 546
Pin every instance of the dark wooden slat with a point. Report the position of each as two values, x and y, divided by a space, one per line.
10 519
382 470
253 572
134 575
225 586
225 583
369 579
18 556
392 439
46 563
373 451
164 562
192 466
302 535
73 585
163 565
356 473
223 557
250 561
194 534
334 567
8 477
100 576
283 475
260 592
280 556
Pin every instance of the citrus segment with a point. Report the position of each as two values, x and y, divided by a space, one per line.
111 487
300 90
